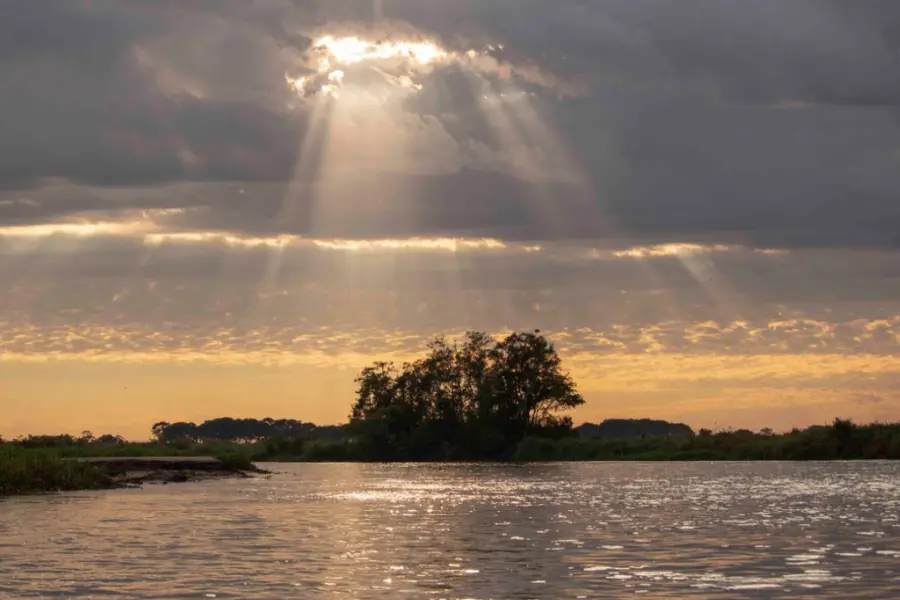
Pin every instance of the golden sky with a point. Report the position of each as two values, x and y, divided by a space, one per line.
230 209
87 348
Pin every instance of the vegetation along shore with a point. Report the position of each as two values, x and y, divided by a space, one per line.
477 400
56 467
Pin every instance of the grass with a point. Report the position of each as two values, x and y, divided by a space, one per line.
29 470
33 471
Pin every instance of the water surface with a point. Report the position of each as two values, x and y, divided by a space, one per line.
470 531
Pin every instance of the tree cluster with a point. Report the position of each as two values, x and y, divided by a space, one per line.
629 428
65 440
475 399
241 430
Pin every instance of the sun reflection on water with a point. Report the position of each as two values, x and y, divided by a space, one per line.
476 531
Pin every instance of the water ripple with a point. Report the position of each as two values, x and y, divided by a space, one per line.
469 531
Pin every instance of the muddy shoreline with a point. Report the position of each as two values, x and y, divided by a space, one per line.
130 472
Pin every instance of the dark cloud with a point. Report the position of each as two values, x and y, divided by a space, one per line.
821 297
827 52
766 123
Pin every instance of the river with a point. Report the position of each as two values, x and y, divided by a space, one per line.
578 530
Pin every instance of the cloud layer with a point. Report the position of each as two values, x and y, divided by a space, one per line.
663 120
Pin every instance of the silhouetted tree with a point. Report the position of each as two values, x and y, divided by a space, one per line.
159 430
843 432
175 432
481 396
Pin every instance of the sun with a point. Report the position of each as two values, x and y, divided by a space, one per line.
401 61
354 50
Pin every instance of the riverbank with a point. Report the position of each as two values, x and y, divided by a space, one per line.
24 471
45 471
136 471
31 472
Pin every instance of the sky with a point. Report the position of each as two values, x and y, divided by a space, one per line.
228 208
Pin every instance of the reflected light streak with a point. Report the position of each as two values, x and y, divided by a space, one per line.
151 235
679 250
76 229
686 250
157 239
440 244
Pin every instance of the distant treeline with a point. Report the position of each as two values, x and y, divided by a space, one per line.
634 428
245 430
842 440
615 439
249 432
256 430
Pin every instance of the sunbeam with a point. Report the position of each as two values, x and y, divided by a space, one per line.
559 191
300 193
378 10
698 262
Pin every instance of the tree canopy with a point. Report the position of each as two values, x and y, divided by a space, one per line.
479 397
